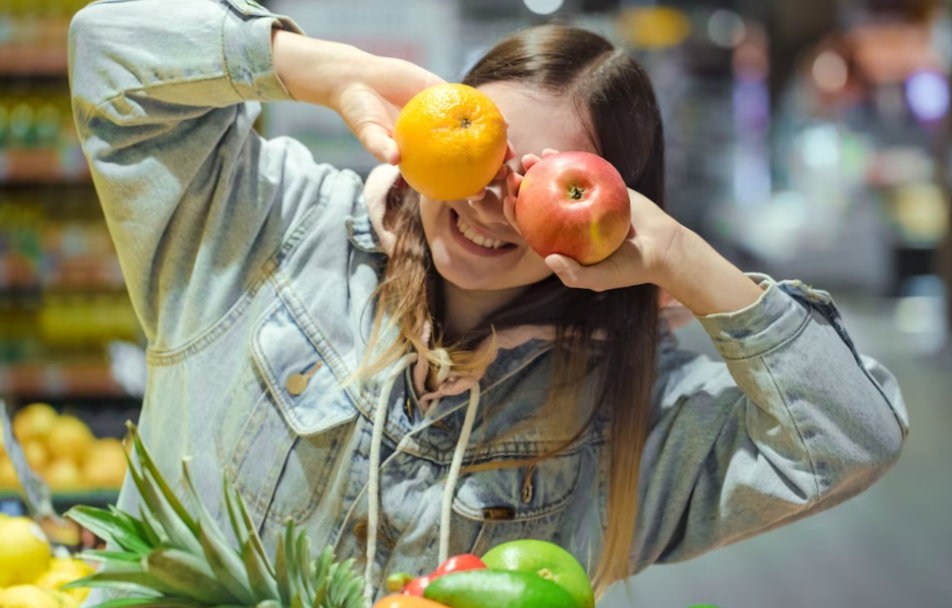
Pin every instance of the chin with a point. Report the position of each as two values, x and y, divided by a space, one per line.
465 276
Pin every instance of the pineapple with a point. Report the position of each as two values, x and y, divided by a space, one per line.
171 558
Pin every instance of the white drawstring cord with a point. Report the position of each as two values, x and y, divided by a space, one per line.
373 485
373 494
455 467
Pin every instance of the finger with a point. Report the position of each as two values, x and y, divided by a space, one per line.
502 173
513 181
509 210
597 277
549 152
379 143
528 160
567 269
476 197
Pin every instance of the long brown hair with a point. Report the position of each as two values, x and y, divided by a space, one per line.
613 95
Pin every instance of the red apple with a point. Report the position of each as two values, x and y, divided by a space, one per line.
575 204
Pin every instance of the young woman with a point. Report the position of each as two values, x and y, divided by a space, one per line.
353 361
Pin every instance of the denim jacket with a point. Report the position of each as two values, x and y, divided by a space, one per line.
251 269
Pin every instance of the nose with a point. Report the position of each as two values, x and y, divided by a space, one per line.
489 207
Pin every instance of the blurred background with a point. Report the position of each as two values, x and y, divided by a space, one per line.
807 139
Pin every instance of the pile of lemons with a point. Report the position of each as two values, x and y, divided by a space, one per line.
30 577
64 452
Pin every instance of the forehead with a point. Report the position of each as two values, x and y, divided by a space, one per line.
539 120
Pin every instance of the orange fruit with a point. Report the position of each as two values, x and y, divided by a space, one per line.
452 141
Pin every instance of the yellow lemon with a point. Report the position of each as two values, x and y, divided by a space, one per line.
28 596
54 579
63 476
8 475
36 453
24 552
69 439
75 566
34 422
105 465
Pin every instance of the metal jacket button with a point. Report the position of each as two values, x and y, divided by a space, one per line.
297 383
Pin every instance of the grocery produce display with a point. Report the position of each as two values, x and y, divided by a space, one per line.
62 450
517 574
171 556
30 575
173 553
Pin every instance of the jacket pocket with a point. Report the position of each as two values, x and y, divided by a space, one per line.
496 506
298 431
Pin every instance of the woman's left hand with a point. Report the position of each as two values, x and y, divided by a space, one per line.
658 250
643 257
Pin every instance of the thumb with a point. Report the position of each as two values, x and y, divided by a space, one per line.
568 270
379 143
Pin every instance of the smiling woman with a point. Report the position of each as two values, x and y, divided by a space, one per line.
351 356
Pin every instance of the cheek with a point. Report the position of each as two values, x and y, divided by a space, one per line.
429 216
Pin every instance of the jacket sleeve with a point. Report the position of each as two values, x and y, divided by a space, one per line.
794 422
165 96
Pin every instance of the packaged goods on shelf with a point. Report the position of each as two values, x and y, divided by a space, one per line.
38 141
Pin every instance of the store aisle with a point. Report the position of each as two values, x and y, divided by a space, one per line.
891 546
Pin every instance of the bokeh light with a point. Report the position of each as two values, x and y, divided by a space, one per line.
830 71
543 7
726 28
928 95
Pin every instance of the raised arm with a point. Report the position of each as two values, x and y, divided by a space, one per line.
165 97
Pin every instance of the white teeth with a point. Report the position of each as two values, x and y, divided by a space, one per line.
471 234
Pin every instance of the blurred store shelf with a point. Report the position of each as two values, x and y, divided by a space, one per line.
32 60
43 166
50 380
11 501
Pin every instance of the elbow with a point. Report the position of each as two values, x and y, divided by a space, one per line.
888 446
875 450
89 32
82 29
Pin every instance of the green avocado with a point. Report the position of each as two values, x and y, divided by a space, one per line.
548 560
497 589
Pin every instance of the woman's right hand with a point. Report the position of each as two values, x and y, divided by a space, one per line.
367 91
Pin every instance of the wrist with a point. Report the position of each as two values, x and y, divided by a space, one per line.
314 71
702 280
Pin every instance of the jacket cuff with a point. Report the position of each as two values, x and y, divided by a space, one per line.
775 318
247 53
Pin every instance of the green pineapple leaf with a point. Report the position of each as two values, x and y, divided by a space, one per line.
281 569
182 559
148 465
108 527
262 582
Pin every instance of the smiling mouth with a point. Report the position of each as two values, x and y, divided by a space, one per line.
470 234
